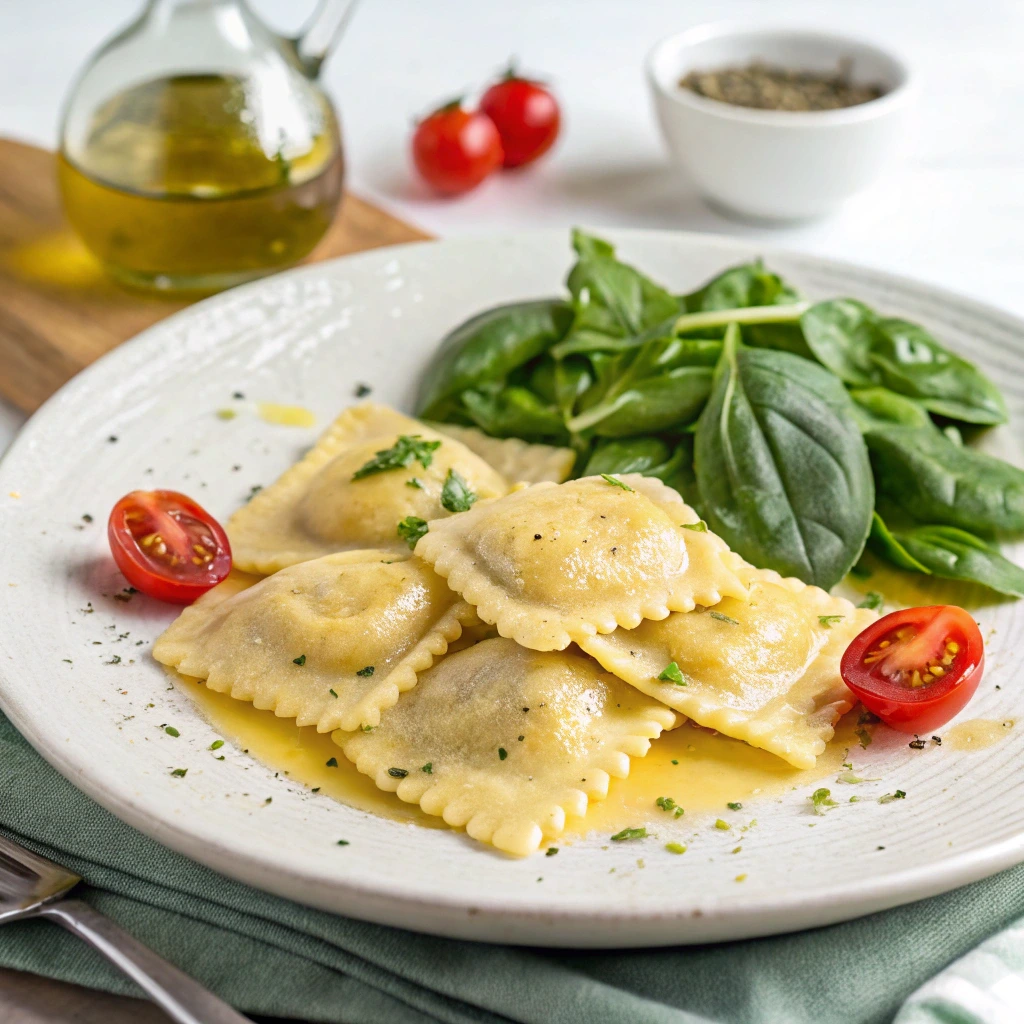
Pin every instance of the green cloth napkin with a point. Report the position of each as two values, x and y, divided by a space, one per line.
270 956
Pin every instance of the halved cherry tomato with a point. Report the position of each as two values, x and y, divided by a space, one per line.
167 546
526 116
916 668
455 149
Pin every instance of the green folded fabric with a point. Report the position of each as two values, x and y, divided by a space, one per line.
270 956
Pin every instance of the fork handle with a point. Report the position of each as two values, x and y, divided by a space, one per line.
179 996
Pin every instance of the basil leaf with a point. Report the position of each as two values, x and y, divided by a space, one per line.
782 469
865 349
958 555
613 302
934 480
514 412
749 284
488 347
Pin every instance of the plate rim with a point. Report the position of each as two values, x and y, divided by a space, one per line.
450 915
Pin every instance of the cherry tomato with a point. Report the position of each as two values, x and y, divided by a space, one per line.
916 668
526 116
455 149
167 546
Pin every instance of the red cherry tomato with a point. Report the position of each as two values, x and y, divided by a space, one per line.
167 546
455 149
916 668
526 116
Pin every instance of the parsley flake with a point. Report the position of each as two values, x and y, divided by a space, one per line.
407 449
342 842
551 851
179 773
456 495
889 797
630 833
411 528
362 390
615 482
698 527
672 673
675 848
171 731
830 620
365 672
414 482
873 600
724 826
332 762
428 768
300 660
502 753
667 804
821 800
734 806
216 745
333 692
724 618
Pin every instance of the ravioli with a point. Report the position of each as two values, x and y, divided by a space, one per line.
329 642
765 671
506 741
553 563
317 506
516 460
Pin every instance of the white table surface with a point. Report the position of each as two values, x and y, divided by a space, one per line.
953 215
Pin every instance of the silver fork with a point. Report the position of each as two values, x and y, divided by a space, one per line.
32 886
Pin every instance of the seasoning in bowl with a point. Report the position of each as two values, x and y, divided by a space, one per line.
772 88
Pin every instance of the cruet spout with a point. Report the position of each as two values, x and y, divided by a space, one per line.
321 34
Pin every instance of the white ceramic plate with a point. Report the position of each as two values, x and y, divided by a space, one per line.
307 337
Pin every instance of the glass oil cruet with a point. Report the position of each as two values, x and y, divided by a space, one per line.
197 148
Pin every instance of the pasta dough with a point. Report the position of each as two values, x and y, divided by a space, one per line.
328 642
516 460
316 507
549 564
506 741
765 671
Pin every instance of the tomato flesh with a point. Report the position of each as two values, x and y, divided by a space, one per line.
455 149
916 668
526 116
167 546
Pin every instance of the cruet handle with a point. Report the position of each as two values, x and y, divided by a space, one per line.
321 33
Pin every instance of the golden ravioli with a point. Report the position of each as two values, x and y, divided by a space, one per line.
765 671
322 505
329 642
506 741
516 460
549 564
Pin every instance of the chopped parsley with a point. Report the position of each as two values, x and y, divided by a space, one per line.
698 527
830 620
407 449
723 825
365 672
86 518
615 482
821 800
675 848
332 762
667 804
226 414
333 692
551 851
672 673
216 745
733 806
171 731
873 600
115 660
398 773
724 618
342 842
362 390
457 495
889 797
502 753
415 482
428 768
630 833
179 773
411 528
300 660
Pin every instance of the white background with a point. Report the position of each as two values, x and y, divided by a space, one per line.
953 215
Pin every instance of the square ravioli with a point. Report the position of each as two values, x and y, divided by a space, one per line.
371 469
329 642
552 563
765 671
507 741
516 460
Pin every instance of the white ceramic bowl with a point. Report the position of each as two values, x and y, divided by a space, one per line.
769 164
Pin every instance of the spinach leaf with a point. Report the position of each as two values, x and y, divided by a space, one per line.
514 412
884 542
613 302
749 284
488 346
933 480
650 456
958 555
877 406
782 470
660 384
865 349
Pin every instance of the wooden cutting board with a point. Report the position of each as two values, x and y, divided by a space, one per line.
59 312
